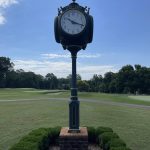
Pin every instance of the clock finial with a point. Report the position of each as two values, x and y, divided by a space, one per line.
74 1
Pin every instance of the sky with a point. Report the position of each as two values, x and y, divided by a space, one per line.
121 36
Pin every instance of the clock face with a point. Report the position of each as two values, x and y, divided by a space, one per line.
73 22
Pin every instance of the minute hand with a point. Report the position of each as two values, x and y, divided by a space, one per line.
73 22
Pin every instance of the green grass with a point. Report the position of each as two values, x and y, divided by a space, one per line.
18 118
121 98
141 98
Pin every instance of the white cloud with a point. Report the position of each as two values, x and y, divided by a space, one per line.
2 19
44 67
88 71
80 55
89 55
7 3
3 5
52 56
62 69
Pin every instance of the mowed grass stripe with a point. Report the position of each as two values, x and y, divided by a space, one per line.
24 93
84 100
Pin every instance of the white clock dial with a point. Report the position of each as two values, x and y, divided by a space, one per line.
73 22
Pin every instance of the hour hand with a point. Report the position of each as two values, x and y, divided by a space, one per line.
73 22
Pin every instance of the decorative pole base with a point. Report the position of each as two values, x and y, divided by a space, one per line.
73 141
74 116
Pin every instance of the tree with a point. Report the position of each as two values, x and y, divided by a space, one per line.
109 80
83 86
69 78
95 83
5 66
142 79
63 83
12 79
51 81
78 77
129 79
125 80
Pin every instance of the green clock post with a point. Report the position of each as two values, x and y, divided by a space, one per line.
74 30
74 103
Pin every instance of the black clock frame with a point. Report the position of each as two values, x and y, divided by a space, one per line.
76 41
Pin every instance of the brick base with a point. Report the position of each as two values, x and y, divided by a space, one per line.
73 141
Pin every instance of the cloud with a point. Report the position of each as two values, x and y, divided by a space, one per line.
7 3
87 71
80 55
53 56
3 5
62 68
2 19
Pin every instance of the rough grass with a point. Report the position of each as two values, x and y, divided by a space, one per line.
20 117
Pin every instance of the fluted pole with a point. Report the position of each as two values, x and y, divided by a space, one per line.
74 103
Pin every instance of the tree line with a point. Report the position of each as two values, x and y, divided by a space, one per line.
129 79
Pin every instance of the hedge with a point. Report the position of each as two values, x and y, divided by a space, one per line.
114 142
106 137
42 138
93 133
39 139
120 148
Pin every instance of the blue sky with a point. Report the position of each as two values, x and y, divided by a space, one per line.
121 36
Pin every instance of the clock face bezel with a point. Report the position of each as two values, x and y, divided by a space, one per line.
79 12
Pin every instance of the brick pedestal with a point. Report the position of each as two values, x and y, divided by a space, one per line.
73 141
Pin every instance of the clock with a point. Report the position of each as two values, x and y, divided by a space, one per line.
73 22
73 27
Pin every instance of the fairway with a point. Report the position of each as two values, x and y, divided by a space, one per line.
22 110
141 98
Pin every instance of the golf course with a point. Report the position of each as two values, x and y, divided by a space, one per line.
23 110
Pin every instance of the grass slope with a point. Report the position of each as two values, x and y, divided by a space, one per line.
20 117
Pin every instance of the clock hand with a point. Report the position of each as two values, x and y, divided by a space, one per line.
78 23
73 22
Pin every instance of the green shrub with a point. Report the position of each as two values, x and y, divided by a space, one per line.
54 135
119 148
25 146
39 139
113 143
42 138
91 134
106 137
101 130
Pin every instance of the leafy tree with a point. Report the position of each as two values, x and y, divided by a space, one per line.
129 79
70 76
12 79
83 86
109 82
63 83
142 79
5 66
51 81
125 79
95 83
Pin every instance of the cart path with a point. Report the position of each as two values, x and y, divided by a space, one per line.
82 100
